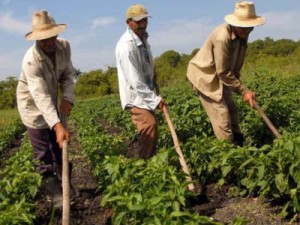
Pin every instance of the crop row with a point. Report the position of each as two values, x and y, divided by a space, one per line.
264 166
19 184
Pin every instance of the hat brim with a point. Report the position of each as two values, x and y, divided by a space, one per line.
140 17
44 34
237 22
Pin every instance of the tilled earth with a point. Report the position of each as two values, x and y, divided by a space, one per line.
86 210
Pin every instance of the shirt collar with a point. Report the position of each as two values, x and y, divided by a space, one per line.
136 38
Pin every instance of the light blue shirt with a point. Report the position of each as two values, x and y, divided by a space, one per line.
135 72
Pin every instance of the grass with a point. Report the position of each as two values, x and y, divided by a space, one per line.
8 117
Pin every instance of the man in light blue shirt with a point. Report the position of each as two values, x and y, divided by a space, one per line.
137 79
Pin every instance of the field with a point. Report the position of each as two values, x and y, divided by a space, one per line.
10 127
258 183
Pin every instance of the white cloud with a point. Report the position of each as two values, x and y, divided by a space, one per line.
182 36
279 25
103 21
186 35
80 39
282 20
92 59
11 25
10 63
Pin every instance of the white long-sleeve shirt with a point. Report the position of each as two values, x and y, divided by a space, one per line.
39 83
135 72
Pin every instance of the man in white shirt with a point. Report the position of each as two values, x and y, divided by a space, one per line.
47 70
137 79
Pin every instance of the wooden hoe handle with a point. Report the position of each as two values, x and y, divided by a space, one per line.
178 150
65 185
267 121
65 178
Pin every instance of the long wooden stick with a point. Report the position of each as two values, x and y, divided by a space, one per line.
65 185
65 178
184 166
267 121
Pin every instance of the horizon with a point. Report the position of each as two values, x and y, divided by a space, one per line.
94 29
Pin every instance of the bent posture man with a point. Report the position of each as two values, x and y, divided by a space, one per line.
215 71
46 67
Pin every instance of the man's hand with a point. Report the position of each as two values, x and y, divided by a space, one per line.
61 134
65 107
161 105
249 97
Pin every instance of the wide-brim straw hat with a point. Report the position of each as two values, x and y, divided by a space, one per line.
44 26
244 15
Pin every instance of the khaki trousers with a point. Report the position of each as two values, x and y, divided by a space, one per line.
223 115
146 125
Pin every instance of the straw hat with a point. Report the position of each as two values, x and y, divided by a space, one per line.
244 16
44 26
136 12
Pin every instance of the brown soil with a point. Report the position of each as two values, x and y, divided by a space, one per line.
222 208
86 210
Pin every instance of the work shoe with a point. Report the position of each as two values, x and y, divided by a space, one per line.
52 187
74 193
238 139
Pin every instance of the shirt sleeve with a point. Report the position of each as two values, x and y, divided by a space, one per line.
67 79
223 60
131 64
38 89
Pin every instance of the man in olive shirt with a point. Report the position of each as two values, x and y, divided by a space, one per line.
215 71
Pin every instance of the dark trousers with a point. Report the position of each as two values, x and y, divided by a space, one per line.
46 150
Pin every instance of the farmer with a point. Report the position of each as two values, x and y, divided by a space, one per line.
46 68
215 71
137 79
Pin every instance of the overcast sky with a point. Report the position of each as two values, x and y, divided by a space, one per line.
94 26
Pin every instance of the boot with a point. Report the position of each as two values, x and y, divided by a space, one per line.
58 171
238 139
53 187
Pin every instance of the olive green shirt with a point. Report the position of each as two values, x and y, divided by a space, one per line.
218 63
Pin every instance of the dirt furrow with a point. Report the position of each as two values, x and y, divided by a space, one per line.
85 209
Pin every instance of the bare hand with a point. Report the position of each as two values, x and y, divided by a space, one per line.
249 97
65 107
61 134
161 105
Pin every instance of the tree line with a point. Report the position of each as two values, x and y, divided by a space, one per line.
171 66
